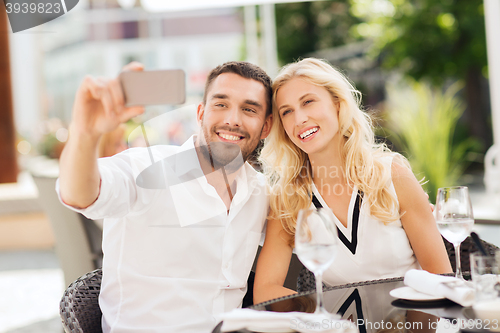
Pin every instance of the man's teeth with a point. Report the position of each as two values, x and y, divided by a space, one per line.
308 133
229 137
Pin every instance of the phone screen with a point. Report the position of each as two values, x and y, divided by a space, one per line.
154 87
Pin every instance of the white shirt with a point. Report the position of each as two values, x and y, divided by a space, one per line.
173 258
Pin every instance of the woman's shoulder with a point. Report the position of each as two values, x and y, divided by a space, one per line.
394 171
400 167
393 161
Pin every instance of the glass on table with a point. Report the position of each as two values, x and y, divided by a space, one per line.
454 218
485 272
316 242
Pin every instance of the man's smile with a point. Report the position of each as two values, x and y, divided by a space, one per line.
229 136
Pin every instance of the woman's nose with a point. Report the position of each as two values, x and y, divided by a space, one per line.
300 117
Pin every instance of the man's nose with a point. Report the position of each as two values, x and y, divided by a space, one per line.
233 117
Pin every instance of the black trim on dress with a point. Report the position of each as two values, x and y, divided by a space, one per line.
351 245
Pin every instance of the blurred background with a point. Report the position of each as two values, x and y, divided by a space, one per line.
422 66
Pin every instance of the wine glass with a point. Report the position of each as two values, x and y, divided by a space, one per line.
454 218
316 242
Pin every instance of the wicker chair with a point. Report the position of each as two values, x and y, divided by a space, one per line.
79 307
466 248
307 282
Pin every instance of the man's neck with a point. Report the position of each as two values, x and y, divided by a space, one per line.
225 186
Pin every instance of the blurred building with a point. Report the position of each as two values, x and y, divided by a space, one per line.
98 37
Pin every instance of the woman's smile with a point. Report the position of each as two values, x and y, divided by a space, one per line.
308 133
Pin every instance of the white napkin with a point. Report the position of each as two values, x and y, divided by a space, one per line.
458 291
268 321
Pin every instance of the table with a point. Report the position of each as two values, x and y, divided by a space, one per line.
369 305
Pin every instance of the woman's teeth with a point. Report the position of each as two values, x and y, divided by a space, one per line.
308 133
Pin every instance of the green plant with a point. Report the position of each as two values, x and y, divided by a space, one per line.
423 124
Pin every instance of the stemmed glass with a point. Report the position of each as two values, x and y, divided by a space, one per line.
454 218
316 242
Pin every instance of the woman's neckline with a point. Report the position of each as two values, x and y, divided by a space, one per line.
352 199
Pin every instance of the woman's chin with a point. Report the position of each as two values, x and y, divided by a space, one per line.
306 150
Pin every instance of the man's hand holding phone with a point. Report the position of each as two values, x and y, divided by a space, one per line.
100 105
99 108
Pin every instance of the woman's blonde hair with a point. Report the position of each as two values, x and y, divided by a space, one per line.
288 169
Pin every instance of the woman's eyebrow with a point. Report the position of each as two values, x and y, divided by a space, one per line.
300 99
283 106
306 95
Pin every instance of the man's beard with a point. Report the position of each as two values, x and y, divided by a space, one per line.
224 154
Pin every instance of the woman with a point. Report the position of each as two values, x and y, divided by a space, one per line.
321 152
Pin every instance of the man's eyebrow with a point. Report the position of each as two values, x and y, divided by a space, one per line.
254 103
247 101
219 96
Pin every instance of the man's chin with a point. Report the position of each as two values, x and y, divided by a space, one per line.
223 155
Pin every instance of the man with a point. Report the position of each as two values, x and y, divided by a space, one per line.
182 224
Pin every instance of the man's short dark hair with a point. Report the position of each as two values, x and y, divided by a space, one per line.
246 70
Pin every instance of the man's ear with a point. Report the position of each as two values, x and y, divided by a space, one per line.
266 129
199 113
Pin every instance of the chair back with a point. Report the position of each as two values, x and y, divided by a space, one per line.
79 307
466 248
73 248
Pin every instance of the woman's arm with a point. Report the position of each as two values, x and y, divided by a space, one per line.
419 222
273 263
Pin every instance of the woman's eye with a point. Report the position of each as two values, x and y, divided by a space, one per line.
308 101
285 113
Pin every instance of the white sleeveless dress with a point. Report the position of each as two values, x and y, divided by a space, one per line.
368 248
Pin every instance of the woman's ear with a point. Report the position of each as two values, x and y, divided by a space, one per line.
337 104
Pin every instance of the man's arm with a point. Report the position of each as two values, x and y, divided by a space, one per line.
99 108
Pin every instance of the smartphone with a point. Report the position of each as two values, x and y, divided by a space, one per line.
154 87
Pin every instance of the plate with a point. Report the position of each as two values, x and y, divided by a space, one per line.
469 313
411 294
